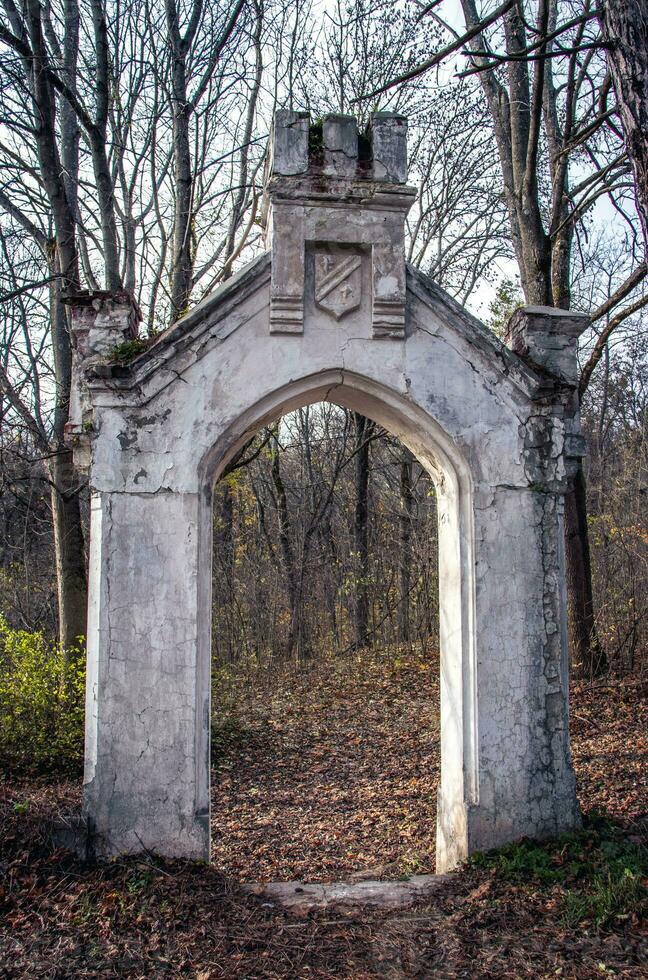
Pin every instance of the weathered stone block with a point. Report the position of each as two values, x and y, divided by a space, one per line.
100 322
290 143
340 139
548 338
389 147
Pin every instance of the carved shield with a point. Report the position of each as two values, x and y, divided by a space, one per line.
338 282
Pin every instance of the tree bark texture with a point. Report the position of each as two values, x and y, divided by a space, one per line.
405 519
182 263
72 589
587 656
363 427
625 31
69 549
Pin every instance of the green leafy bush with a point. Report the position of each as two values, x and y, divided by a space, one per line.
42 691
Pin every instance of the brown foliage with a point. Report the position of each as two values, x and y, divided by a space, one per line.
150 918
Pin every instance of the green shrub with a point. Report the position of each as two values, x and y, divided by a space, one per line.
42 693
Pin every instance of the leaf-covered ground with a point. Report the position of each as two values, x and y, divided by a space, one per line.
346 750
332 769
328 769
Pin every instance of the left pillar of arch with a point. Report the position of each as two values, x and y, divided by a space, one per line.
146 778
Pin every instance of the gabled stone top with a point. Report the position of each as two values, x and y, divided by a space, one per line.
334 148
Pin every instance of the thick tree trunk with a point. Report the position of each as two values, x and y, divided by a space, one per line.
104 177
69 549
544 261
59 178
182 260
587 656
405 566
363 428
69 545
48 155
224 537
625 30
182 266
223 555
329 555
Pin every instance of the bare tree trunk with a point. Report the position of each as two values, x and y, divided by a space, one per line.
327 545
183 107
295 641
98 142
72 590
588 657
238 207
543 258
224 538
625 30
405 566
224 552
69 548
182 264
68 532
363 427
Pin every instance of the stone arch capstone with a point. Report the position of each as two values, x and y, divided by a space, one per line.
330 312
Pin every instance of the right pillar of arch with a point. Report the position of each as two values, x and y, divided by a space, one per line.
513 775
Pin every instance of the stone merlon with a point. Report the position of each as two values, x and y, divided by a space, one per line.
548 338
102 320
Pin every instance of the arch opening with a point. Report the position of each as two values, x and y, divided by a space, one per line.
440 458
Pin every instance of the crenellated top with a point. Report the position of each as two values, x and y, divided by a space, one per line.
334 148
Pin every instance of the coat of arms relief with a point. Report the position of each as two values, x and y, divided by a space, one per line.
338 281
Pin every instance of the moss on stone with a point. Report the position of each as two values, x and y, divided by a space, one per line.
128 351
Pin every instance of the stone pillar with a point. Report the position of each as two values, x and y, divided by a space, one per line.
146 776
548 340
143 780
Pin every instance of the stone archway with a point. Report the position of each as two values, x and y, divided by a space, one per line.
422 435
330 313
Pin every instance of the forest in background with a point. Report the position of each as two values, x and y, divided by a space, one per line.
133 142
